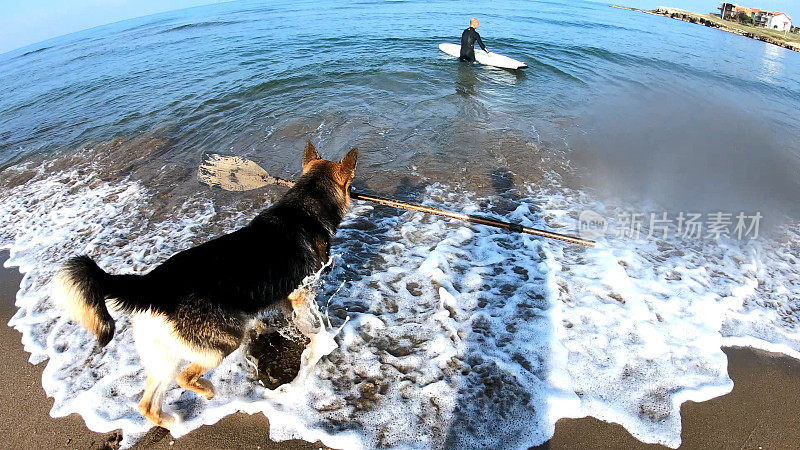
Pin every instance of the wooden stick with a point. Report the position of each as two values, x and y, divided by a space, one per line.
471 218
234 173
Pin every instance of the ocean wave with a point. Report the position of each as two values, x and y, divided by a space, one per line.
198 25
33 52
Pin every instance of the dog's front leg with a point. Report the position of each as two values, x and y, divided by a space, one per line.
303 313
150 406
299 299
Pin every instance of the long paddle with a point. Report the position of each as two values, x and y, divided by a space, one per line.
234 173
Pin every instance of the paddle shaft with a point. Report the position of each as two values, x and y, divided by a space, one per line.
470 218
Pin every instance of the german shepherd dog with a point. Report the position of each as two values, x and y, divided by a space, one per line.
198 305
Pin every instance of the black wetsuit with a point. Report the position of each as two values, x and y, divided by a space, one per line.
468 38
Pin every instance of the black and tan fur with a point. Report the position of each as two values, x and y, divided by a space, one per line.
198 305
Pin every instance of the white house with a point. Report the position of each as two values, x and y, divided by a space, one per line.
779 21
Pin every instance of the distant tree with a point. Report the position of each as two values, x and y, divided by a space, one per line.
742 17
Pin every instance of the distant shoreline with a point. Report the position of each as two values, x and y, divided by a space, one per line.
713 21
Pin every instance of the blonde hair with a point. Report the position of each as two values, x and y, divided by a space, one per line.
473 22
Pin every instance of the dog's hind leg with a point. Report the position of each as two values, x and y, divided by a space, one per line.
155 345
150 406
190 379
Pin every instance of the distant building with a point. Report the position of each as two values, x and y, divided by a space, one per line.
761 19
729 11
773 20
753 12
726 10
779 21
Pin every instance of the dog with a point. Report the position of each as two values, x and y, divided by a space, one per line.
198 305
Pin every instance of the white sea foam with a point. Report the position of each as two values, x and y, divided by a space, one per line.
461 336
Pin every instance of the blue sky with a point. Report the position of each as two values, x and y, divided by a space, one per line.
26 22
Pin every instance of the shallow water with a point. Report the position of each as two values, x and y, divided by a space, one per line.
466 327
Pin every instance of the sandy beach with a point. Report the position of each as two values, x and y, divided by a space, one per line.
760 412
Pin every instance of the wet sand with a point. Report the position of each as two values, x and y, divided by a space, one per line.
762 411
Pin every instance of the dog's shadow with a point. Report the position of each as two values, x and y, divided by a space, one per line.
506 361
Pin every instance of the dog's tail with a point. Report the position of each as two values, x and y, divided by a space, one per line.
81 288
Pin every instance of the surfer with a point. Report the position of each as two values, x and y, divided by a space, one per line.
468 38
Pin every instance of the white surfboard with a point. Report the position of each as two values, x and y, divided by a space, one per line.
488 58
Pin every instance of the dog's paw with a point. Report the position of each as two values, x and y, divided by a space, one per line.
166 421
206 388
160 420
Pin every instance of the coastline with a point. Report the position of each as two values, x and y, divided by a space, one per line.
712 21
759 412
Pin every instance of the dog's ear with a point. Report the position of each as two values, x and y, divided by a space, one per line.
309 155
348 169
